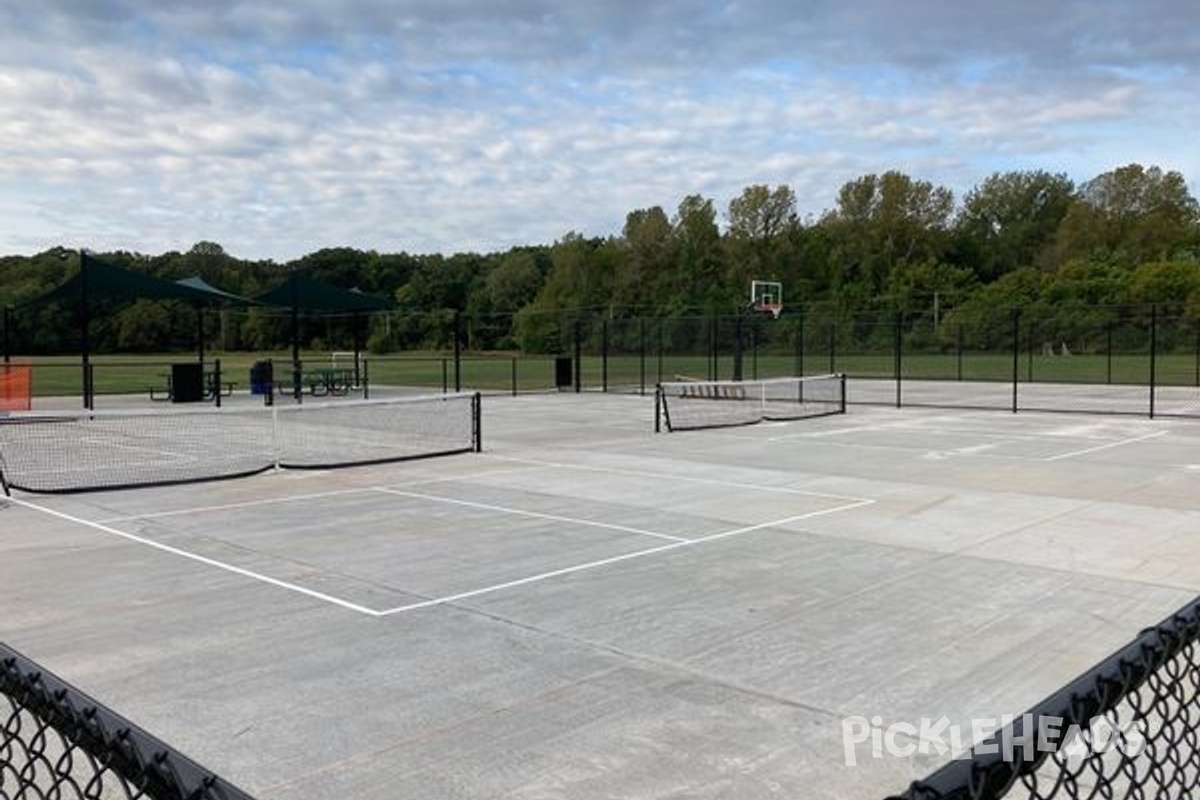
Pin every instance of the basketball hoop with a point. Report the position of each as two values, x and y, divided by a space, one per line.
766 298
773 310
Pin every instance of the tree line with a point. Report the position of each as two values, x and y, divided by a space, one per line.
1032 239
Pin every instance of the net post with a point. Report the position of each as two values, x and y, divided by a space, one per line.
662 414
445 376
366 379
842 391
477 422
514 376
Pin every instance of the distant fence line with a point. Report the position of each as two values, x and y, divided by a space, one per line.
1129 360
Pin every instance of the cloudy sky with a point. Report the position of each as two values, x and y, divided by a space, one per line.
276 128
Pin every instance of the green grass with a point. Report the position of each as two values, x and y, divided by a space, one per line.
135 374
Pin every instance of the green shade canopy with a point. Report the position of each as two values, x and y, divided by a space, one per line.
99 280
309 294
215 295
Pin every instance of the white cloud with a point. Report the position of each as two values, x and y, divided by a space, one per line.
443 125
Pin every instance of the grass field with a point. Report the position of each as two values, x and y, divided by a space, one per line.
127 374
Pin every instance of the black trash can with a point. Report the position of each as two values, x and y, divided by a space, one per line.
262 376
564 375
187 383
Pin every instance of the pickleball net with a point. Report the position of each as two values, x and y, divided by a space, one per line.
56 742
1127 728
695 405
103 450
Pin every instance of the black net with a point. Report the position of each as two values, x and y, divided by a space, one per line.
56 742
692 405
1129 728
116 450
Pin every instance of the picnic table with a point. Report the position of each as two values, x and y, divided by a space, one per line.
212 386
319 382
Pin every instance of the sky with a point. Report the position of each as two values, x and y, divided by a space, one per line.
442 126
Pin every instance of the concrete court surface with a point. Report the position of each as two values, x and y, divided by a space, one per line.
590 610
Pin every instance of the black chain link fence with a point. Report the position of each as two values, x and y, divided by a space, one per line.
56 742
1095 359
1129 728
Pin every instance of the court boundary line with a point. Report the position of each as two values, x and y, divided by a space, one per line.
1004 438
1107 446
603 562
211 562
428 602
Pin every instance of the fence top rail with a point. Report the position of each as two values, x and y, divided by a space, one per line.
135 756
990 771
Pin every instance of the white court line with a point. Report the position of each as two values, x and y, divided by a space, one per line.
673 545
201 559
672 477
245 504
1108 446
604 562
534 514
838 431
290 498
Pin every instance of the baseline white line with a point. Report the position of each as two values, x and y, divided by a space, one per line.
245 504
1108 446
533 514
337 601
669 477
604 562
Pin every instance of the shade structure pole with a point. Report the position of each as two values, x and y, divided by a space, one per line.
200 332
